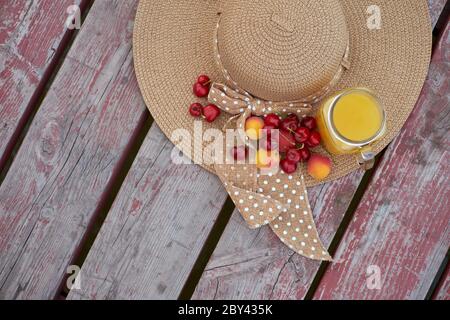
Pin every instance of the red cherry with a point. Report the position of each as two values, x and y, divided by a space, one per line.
268 130
309 122
211 112
293 116
239 153
286 141
305 154
293 155
196 110
288 166
200 90
302 134
291 123
267 143
272 120
314 140
267 134
204 80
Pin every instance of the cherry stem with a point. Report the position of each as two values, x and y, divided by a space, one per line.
287 139
205 84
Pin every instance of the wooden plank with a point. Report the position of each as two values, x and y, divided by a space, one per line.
254 265
142 274
70 152
32 37
436 8
443 289
155 229
402 225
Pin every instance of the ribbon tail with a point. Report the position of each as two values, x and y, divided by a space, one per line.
240 182
256 209
297 230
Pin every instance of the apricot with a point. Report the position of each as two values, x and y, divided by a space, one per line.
319 167
253 127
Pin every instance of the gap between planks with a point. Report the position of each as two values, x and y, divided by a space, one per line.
440 283
335 275
117 60
108 196
438 33
113 187
21 129
364 183
207 250
345 222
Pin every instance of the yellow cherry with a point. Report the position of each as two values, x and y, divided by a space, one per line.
253 127
267 159
262 159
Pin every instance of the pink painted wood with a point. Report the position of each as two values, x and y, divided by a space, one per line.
32 36
64 164
76 140
401 229
155 230
436 8
254 265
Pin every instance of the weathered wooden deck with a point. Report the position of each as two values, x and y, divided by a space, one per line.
83 182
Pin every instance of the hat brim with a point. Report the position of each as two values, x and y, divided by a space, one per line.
173 45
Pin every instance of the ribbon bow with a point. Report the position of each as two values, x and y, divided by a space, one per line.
241 103
275 198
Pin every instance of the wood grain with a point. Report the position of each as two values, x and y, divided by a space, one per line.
32 34
66 159
402 225
155 229
436 8
255 265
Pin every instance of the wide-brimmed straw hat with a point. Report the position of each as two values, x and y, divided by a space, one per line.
282 50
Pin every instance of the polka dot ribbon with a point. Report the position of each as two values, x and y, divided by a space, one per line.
270 198
267 198
275 199
242 105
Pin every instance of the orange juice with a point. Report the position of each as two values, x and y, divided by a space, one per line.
357 117
350 121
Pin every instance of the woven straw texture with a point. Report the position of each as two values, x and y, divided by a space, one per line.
283 53
270 58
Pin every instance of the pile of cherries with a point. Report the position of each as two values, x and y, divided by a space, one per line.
201 89
296 139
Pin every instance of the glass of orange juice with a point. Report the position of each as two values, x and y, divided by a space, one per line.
350 122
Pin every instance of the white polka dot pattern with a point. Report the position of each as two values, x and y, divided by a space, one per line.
278 200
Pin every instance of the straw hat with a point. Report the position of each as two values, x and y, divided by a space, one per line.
281 50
